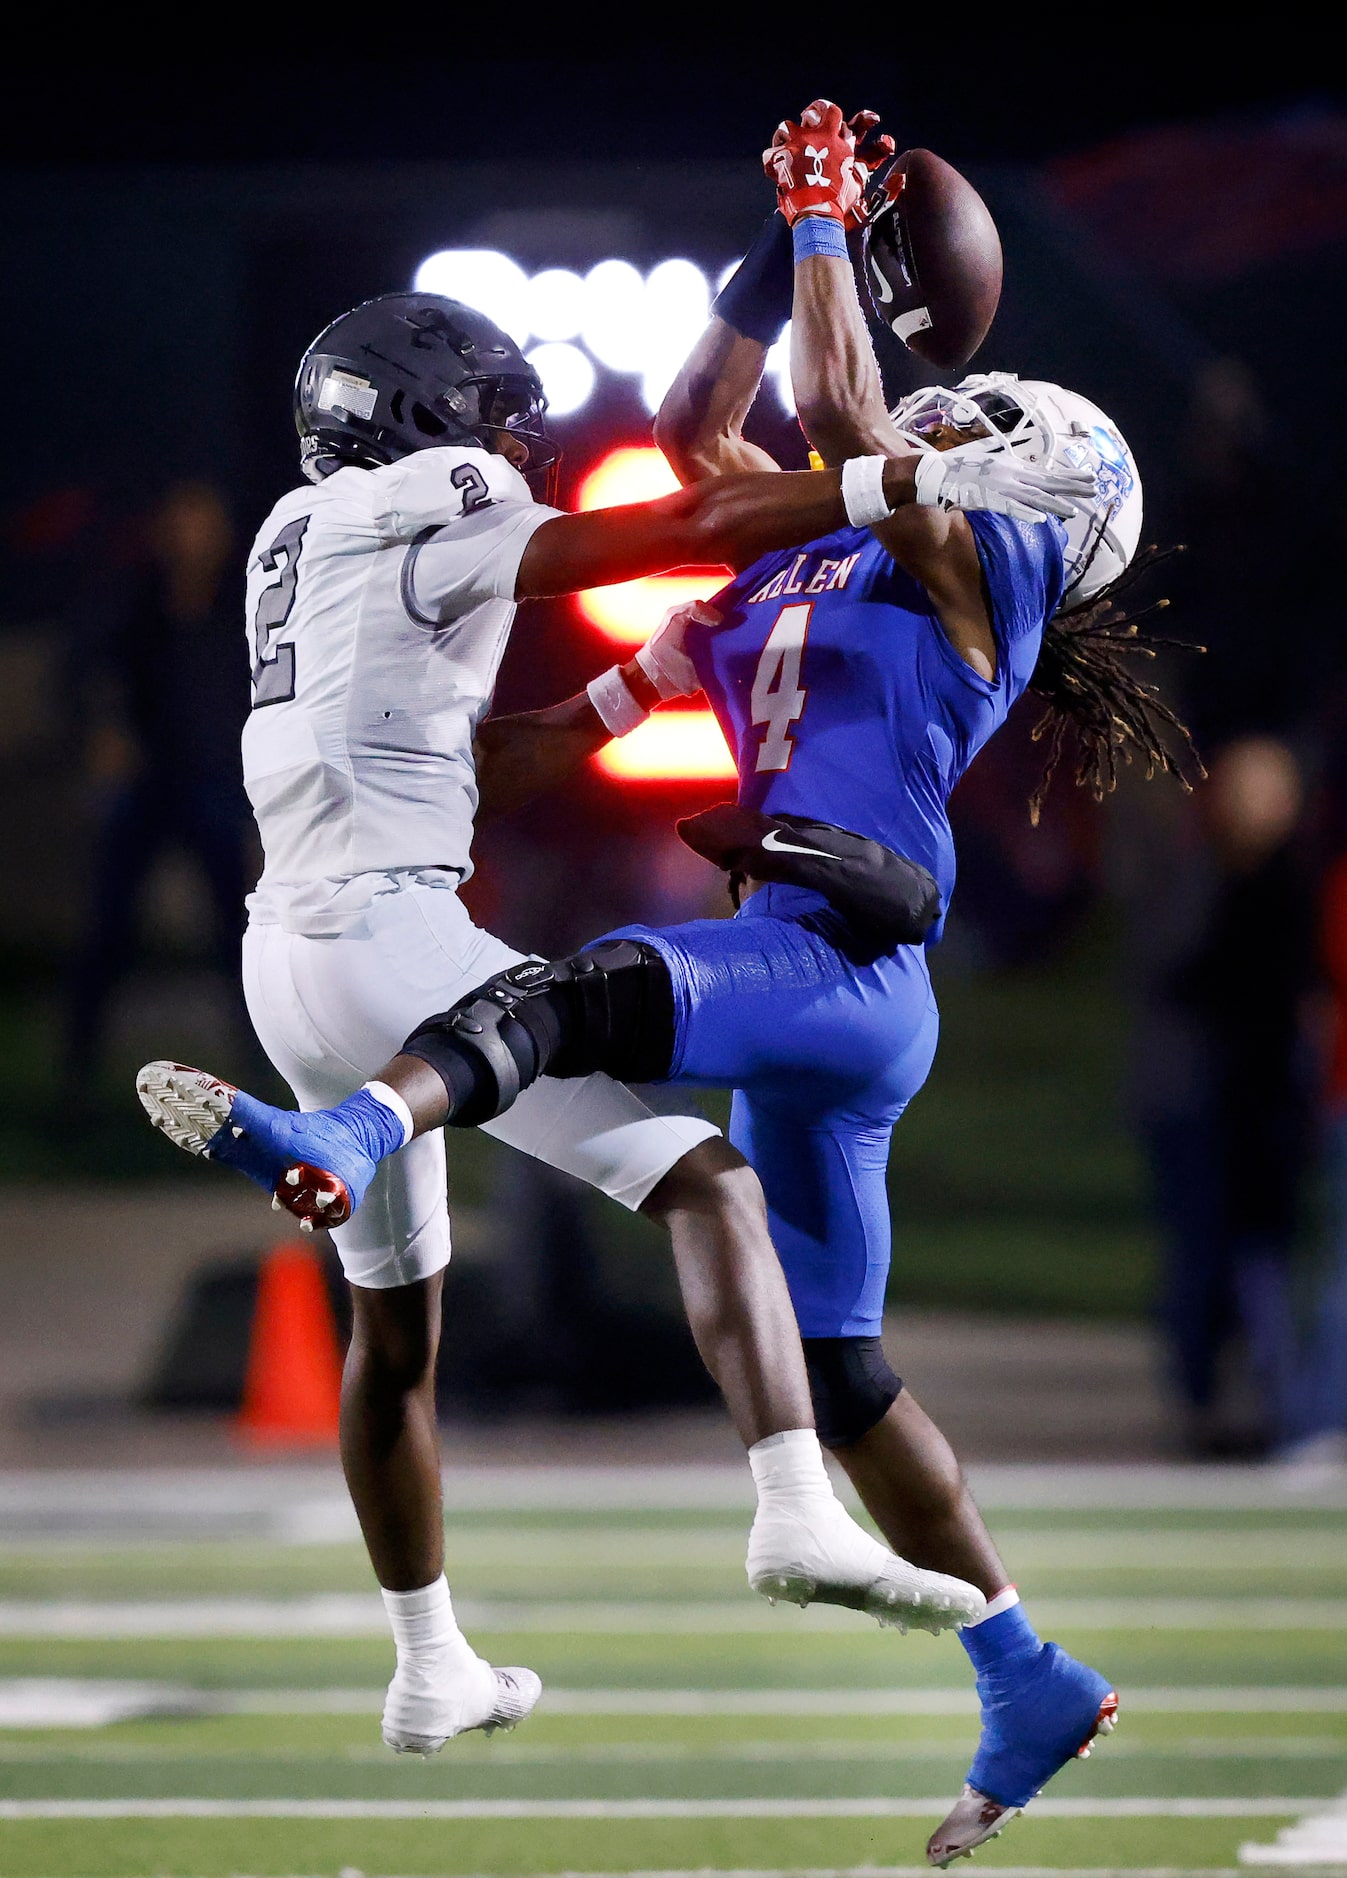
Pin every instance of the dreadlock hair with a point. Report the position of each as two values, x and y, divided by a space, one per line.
1084 675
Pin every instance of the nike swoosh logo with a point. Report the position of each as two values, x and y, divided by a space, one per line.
773 842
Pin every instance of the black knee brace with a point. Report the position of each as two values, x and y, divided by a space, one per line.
610 1008
852 1386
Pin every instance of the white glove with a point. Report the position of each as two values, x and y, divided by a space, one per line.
662 657
969 478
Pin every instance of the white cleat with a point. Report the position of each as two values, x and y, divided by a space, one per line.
829 1559
420 1716
974 1819
185 1104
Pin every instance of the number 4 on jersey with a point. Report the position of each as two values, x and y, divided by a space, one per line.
778 696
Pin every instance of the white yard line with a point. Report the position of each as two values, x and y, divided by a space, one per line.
1319 1839
294 1499
71 1702
718 1549
883 1808
842 1753
923 1871
359 1614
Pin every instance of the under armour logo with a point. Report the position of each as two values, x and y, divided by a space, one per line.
816 177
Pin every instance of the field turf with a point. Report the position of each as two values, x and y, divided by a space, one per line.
685 1729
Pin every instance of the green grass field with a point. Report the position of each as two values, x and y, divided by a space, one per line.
685 1727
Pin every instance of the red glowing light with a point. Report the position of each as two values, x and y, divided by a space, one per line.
671 746
629 613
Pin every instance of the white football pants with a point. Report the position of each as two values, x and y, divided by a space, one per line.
331 1011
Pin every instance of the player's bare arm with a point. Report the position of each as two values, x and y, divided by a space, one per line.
520 757
840 397
700 424
725 520
524 755
841 405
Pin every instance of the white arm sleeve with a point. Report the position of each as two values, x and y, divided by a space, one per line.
466 517
473 559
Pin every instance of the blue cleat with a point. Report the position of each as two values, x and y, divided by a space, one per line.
315 1166
1038 1713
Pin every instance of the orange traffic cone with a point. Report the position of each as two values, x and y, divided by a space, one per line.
292 1394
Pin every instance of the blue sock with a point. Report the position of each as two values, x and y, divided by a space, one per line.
1001 1642
374 1125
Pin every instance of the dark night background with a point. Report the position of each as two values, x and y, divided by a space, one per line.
1174 217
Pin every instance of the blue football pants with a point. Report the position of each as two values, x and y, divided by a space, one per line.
823 1056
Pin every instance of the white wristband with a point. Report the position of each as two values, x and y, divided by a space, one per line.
611 697
863 491
929 481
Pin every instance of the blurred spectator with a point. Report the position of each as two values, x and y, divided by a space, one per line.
1325 1429
159 684
1223 952
1241 531
1023 888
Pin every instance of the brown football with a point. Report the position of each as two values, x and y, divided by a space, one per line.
933 262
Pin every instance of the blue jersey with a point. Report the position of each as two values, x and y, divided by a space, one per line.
841 696
842 700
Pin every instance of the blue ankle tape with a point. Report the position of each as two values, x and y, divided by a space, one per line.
996 1640
375 1126
818 234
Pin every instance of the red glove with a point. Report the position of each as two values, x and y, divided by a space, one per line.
873 151
873 147
813 164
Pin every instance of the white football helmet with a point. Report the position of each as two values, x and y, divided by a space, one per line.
1045 424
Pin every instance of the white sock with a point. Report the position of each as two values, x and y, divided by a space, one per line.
789 1465
392 1100
1003 1601
424 1625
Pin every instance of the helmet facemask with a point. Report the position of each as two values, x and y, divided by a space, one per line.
515 405
1046 425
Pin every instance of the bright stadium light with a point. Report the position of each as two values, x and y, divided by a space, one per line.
567 375
635 473
614 316
671 746
489 282
556 299
678 300
776 370
630 612
638 324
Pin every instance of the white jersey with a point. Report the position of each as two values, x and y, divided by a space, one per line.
379 604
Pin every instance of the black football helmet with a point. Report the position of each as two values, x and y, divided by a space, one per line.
408 371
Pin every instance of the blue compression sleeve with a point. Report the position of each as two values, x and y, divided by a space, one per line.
756 299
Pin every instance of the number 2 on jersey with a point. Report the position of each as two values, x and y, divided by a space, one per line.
778 696
274 665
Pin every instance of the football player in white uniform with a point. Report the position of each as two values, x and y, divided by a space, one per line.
380 597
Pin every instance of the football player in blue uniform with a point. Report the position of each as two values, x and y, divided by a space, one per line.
855 679
381 593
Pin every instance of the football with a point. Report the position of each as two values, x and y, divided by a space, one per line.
932 260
